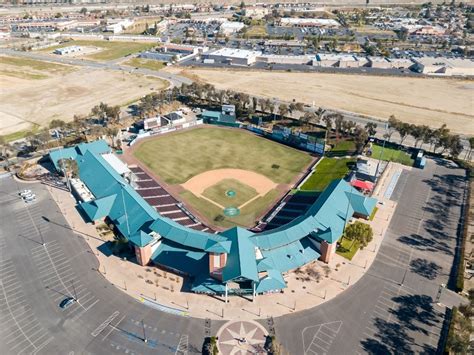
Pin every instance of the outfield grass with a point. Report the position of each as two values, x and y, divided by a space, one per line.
217 193
347 248
390 154
178 157
111 49
26 63
145 63
248 215
327 170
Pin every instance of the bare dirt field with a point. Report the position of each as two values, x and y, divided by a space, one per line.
30 97
430 101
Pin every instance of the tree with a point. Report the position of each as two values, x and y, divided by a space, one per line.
371 128
57 124
403 131
360 138
83 11
282 110
338 121
393 124
360 232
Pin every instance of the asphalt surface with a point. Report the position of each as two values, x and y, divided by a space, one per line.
36 278
399 306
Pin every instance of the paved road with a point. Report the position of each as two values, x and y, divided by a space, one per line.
35 278
177 80
393 308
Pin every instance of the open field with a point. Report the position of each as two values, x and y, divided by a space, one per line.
110 49
61 92
430 101
145 63
326 171
390 154
178 157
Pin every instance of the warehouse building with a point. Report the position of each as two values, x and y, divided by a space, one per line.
227 28
235 261
232 56
338 61
67 50
444 66
308 22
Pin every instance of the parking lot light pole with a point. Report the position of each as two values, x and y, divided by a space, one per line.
144 332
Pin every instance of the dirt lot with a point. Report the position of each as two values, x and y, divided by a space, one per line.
415 100
38 96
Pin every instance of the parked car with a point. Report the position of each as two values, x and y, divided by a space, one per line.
25 193
67 302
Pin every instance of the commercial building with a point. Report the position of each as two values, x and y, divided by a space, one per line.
228 27
338 61
235 261
256 12
67 50
444 66
379 62
308 22
284 59
232 56
401 63
118 26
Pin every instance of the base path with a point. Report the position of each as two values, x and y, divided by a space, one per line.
201 182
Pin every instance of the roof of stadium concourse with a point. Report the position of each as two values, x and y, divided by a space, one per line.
97 147
241 261
283 248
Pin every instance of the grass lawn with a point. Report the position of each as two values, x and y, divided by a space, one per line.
344 147
179 156
390 154
11 137
145 63
40 65
345 250
247 217
326 171
256 31
218 193
111 49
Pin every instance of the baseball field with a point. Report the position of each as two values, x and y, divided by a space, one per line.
226 177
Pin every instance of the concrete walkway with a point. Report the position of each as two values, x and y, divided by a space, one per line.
308 287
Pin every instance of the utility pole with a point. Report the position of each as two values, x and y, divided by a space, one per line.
144 332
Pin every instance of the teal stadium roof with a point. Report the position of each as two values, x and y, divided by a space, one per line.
282 249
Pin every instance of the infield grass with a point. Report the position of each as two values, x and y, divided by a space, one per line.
215 216
218 193
178 157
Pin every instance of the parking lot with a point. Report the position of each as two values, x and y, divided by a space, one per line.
399 306
35 278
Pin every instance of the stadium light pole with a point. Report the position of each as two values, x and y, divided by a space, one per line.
381 152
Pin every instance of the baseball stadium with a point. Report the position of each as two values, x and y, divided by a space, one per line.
193 202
